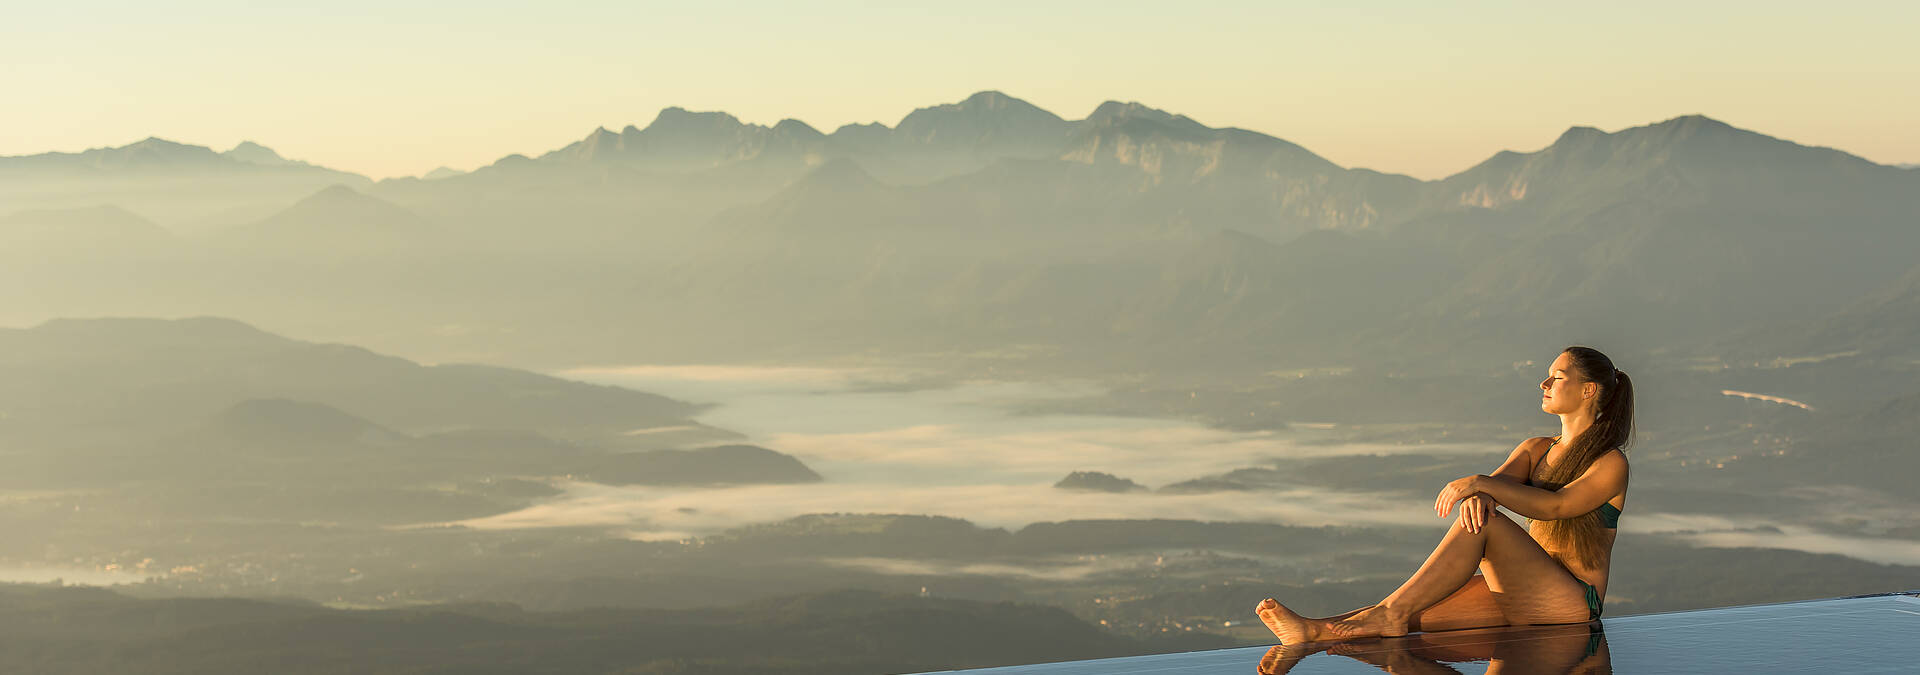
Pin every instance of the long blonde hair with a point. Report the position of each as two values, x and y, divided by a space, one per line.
1612 428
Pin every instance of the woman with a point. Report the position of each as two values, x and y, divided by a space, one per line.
1571 488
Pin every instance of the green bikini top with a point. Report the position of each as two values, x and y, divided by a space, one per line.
1609 514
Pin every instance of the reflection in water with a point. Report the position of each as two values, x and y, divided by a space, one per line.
1564 648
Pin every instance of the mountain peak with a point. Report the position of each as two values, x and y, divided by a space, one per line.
156 143
1111 111
339 207
335 192
601 144
983 103
1695 121
1692 128
255 153
987 118
990 99
152 151
1577 132
676 118
796 129
1688 153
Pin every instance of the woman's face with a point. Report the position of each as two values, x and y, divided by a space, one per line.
1564 391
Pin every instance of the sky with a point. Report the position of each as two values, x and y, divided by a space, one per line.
399 88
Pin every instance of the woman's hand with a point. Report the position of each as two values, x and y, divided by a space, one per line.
1453 493
1475 510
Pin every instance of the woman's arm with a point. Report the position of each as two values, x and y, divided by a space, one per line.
1604 479
1519 465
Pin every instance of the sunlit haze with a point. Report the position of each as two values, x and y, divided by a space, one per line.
395 89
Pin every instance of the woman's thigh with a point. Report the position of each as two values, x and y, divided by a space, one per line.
1472 606
1529 585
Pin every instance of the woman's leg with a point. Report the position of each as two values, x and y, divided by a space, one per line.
1471 606
1524 584
1530 585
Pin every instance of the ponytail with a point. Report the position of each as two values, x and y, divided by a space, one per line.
1612 428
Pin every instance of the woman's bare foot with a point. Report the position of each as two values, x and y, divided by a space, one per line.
1291 628
1375 621
1283 658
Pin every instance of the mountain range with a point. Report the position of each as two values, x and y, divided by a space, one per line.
1133 233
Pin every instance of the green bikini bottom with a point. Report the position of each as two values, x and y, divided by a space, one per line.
1593 601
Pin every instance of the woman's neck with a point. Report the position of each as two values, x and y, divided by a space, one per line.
1572 425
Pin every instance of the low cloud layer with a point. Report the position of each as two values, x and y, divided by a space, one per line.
660 513
649 513
1152 452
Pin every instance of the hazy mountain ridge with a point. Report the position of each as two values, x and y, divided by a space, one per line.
150 153
255 153
177 185
785 237
1691 223
154 155
716 150
160 374
278 424
1221 176
1586 168
189 419
336 219
1882 323
682 140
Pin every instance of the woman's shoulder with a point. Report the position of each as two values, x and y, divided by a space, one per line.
1537 446
1619 454
1614 460
1536 449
